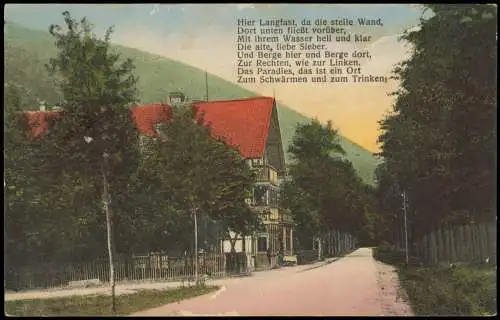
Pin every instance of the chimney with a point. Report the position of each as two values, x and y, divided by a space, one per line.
42 106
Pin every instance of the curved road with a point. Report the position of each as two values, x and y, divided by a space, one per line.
353 285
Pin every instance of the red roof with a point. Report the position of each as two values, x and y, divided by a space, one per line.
146 116
243 123
37 120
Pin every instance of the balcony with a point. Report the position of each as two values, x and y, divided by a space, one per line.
269 215
266 174
265 195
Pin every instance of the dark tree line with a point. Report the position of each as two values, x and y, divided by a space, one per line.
439 142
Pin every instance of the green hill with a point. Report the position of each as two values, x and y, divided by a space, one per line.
27 51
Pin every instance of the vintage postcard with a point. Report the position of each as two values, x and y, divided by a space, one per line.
250 159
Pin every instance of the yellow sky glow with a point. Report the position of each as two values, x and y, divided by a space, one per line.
354 109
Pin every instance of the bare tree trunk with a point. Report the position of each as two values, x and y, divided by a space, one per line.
105 197
320 248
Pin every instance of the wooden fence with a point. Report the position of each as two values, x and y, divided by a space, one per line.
153 267
158 267
469 243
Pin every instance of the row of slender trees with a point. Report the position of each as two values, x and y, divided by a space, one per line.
439 141
60 188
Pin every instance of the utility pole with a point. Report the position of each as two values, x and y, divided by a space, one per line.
405 226
206 85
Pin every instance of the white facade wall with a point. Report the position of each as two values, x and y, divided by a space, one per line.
226 245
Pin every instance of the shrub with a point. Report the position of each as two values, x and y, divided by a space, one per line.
457 291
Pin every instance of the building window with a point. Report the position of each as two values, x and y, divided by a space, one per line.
273 198
260 195
257 162
262 244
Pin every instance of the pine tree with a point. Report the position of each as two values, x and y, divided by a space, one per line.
324 191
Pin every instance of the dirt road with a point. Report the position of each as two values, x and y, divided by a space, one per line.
353 285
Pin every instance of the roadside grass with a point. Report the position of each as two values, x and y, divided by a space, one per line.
100 305
461 290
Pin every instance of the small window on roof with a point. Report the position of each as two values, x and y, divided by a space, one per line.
157 128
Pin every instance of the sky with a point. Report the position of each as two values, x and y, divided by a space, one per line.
203 35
